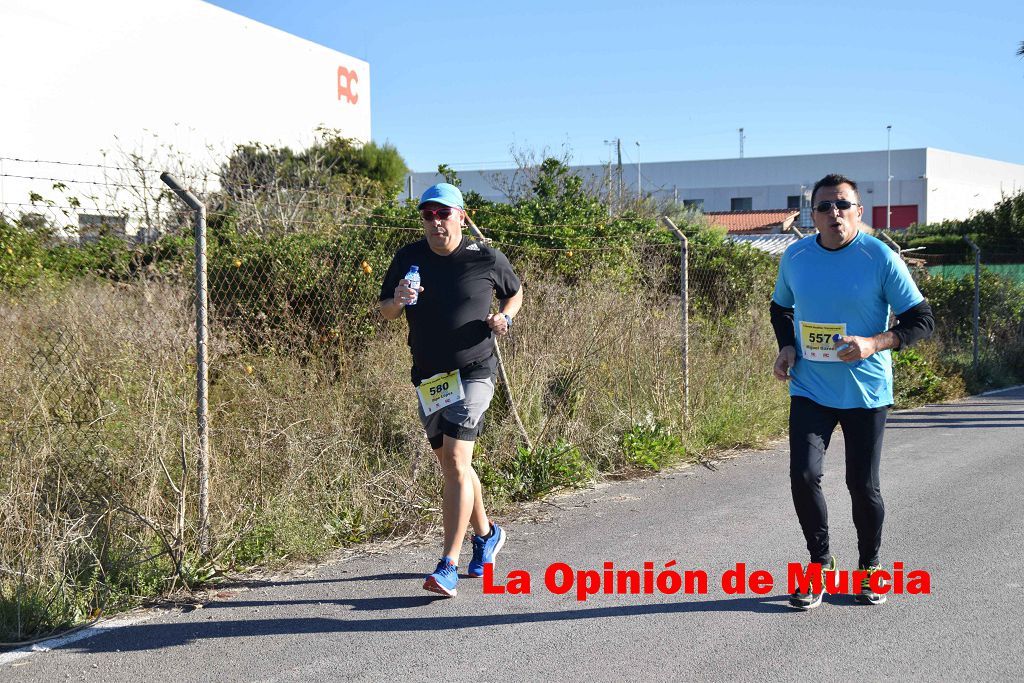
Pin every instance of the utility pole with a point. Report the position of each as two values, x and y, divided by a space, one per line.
742 137
639 185
618 150
888 177
805 208
618 154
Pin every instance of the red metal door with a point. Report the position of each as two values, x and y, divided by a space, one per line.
903 216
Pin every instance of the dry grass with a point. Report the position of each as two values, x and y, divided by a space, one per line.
313 452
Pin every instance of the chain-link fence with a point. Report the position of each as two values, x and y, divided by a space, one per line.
978 298
312 431
95 412
313 437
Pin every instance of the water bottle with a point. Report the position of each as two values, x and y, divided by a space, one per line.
835 340
413 277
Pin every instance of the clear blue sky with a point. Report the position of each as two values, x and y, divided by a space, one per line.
463 82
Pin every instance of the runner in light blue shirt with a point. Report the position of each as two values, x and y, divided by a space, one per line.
830 312
847 291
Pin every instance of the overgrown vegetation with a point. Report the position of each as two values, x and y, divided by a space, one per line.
999 235
334 164
314 434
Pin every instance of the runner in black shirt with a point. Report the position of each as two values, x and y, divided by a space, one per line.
451 330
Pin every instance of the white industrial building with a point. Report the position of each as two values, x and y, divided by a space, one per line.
928 185
88 86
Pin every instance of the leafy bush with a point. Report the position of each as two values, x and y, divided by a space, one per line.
952 300
651 446
530 474
301 290
1000 229
22 253
726 277
915 381
558 227
35 257
332 164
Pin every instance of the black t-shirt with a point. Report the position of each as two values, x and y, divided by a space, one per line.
447 326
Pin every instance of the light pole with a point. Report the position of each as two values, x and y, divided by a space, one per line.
610 182
618 152
639 187
805 208
888 177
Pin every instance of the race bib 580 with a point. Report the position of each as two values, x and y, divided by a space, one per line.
439 391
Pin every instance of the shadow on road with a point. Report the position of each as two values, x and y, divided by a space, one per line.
945 417
263 583
159 636
925 423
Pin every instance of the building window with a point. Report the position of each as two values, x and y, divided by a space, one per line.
93 226
697 204
92 220
742 204
793 201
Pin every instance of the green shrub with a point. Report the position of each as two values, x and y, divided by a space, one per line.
952 300
530 474
22 253
915 381
332 164
298 291
726 277
651 446
998 229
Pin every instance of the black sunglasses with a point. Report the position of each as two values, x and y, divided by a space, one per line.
841 204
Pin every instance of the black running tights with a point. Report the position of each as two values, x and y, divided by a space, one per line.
810 430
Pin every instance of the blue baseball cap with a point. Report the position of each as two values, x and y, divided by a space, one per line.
443 193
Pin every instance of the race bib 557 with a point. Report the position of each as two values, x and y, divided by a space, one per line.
816 340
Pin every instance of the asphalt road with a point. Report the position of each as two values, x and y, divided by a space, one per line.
952 479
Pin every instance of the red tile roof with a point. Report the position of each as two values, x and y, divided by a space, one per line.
747 222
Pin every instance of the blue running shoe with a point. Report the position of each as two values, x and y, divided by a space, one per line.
444 579
485 550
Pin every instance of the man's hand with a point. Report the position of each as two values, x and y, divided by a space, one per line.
404 294
856 348
497 323
392 308
784 362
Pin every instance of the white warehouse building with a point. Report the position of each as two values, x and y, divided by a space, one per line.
928 185
89 84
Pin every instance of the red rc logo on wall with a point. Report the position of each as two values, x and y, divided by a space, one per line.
346 81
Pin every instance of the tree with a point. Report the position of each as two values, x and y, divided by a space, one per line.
332 162
341 155
451 176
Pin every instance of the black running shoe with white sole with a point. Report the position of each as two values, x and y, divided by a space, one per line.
811 599
867 595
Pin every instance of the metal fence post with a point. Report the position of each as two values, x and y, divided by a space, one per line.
977 296
202 362
684 295
888 240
